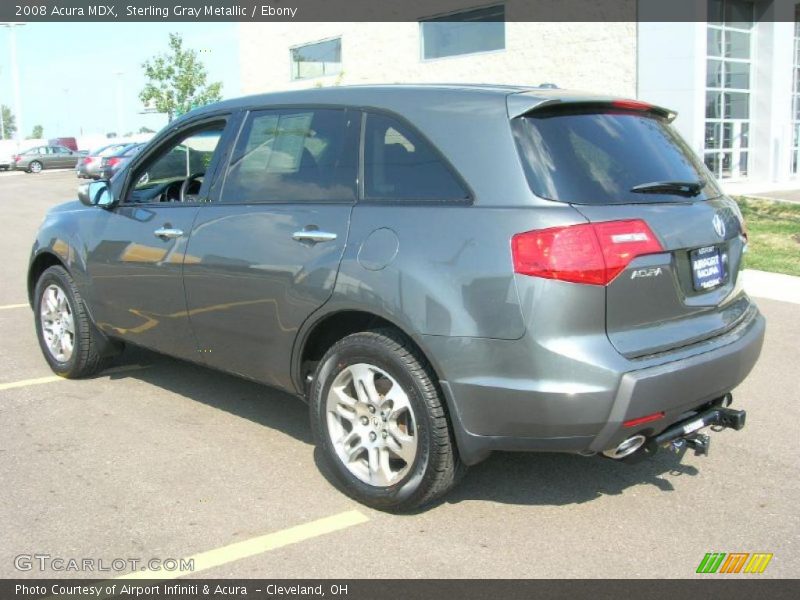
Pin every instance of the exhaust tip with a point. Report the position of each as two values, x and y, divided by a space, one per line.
626 448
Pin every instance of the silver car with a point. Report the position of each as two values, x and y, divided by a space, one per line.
36 159
440 272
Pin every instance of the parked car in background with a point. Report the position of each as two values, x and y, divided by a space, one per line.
5 161
44 157
109 165
67 142
440 272
90 165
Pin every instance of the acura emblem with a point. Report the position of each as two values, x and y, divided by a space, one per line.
719 226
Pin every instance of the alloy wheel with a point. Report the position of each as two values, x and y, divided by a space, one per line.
58 323
371 424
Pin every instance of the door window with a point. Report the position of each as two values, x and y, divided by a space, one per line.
295 155
175 171
400 165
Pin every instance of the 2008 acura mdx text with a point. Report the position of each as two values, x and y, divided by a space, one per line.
439 271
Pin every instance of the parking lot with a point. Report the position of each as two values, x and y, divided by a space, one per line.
158 458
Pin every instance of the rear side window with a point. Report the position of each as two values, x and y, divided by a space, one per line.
608 157
295 155
399 165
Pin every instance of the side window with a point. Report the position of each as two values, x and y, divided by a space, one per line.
62 150
399 165
295 155
183 160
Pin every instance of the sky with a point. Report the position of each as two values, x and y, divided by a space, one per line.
66 71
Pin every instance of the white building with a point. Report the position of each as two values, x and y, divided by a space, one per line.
731 74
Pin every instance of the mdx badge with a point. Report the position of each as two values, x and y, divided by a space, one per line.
719 226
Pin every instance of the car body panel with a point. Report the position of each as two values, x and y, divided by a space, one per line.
135 278
250 285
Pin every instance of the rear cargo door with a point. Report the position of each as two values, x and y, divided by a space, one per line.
623 161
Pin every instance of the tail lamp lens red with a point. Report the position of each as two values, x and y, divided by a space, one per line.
590 253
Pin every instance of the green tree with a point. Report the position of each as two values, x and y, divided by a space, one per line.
145 130
9 122
37 133
176 81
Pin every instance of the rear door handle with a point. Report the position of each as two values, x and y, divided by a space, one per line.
167 233
313 235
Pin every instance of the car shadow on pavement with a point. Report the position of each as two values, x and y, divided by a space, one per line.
505 477
240 397
560 479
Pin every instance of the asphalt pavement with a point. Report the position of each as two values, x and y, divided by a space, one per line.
161 459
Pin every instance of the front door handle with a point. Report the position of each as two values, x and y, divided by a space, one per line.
313 235
168 233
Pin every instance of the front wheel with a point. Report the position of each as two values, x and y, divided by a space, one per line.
66 336
380 423
35 167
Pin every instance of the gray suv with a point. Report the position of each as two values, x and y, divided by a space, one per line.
438 271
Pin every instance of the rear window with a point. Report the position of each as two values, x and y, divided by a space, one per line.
600 156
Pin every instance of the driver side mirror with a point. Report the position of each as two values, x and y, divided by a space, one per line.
96 193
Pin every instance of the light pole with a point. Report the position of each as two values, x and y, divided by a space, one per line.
118 101
12 42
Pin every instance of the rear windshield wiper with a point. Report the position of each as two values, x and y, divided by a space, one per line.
682 188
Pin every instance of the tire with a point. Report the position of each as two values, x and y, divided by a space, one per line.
79 355
382 471
35 167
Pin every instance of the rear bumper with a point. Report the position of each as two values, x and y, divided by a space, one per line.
582 405
678 387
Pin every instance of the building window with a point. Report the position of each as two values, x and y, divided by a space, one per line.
479 30
317 60
796 95
728 87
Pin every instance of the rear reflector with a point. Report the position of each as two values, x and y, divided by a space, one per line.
642 420
590 253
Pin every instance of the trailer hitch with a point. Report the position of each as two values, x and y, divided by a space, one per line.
686 431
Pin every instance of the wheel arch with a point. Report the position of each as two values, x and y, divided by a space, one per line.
317 336
43 261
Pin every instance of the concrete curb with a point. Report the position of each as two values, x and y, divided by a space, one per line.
774 286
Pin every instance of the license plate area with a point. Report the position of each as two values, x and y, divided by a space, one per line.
708 268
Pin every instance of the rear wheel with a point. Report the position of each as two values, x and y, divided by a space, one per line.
380 423
35 167
66 336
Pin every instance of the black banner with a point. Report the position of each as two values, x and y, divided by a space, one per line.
744 586
364 10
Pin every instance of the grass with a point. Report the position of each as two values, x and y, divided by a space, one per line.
774 235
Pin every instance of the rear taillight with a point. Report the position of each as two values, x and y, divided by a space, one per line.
17 158
110 162
591 253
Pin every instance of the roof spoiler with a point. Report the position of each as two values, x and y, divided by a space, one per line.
521 104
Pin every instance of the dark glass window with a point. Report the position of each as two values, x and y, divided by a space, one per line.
316 60
399 165
479 30
597 157
295 155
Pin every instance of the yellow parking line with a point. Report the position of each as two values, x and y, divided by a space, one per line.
258 545
8 306
27 382
54 378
